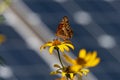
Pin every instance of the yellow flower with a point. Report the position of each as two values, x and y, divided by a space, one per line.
57 44
82 62
90 58
63 71
67 74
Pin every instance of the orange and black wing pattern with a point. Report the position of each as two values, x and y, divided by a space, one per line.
64 30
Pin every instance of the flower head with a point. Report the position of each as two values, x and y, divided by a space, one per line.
79 65
84 61
57 44
90 58
64 72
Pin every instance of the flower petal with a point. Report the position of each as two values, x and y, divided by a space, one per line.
53 73
95 62
69 59
61 48
57 66
51 49
93 56
92 61
48 44
80 73
66 48
71 75
63 74
84 71
82 53
70 45
88 56
75 68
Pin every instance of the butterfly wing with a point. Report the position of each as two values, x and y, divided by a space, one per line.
64 30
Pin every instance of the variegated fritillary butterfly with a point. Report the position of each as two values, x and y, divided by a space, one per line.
64 30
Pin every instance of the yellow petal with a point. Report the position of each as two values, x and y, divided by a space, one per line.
70 45
82 53
80 73
51 49
53 73
61 48
88 56
48 44
69 59
85 71
71 75
93 56
63 74
75 68
95 62
66 48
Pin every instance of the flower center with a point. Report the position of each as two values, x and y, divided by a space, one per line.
80 61
56 42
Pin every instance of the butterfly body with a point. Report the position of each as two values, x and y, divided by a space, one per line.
64 30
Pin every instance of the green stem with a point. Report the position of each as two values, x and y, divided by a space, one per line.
59 57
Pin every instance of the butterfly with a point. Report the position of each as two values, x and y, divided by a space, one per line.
64 31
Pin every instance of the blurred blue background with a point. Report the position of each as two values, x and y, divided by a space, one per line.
96 26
